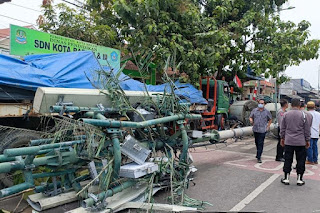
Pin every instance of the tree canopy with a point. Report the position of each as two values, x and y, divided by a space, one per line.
206 36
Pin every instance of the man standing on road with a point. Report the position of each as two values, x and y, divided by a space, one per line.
312 152
284 106
303 108
261 120
295 137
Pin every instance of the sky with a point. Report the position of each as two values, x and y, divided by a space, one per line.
27 16
303 10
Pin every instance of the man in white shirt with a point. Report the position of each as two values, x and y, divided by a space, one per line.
312 152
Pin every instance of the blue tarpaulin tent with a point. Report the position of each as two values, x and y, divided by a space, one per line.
72 70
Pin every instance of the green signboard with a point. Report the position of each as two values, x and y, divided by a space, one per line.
25 41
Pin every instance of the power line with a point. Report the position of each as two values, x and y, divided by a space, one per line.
72 3
16 19
24 7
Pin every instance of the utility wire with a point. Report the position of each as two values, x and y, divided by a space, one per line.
16 19
72 3
23 7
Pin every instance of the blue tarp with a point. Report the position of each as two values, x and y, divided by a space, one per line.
72 70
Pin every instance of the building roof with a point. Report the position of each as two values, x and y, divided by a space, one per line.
253 83
293 96
5 33
131 66
3 1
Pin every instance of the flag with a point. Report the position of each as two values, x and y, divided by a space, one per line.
237 81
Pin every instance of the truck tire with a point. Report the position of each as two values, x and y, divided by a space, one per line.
14 139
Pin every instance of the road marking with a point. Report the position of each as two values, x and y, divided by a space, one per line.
269 147
232 145
254 194
248 147
244 143
275 167
237 162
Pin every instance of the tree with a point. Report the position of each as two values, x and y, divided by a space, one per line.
79 23
207 36
259 38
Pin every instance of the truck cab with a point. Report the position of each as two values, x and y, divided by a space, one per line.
217 93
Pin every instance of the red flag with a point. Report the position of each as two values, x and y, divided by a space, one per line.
237 80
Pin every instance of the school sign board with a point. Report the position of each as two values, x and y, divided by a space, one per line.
25 41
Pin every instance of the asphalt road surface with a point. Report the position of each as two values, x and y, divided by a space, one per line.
230 178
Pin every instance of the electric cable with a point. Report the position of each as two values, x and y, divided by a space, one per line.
72 3
24 7
17 19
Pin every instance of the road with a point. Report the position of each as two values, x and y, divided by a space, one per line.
230 178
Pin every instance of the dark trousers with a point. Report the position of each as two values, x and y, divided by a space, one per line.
280 149
301 154
259 140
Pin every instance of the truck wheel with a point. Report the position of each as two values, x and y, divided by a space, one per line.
14 139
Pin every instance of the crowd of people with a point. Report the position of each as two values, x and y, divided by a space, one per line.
298 131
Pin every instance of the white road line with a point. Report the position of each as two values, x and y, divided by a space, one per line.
269 147
248 147
254 194
232 145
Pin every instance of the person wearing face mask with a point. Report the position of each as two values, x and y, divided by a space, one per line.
261 120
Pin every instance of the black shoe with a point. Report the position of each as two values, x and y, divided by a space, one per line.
300 181
286 178
280 159
259 160
285 181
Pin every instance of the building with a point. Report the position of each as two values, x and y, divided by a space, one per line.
264 88
298 88
5 40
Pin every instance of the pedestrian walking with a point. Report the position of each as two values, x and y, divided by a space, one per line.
280 114
312 152
261 120
295 137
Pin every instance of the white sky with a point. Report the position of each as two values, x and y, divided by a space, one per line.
23 14
304 10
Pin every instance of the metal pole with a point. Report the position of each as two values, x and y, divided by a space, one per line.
276 98
318 80
142 124
258 92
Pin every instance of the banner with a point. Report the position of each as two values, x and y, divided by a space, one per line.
25 41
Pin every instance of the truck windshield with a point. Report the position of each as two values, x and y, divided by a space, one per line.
204 91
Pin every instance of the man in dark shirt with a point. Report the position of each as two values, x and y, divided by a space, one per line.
280 114
261 119
295 137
